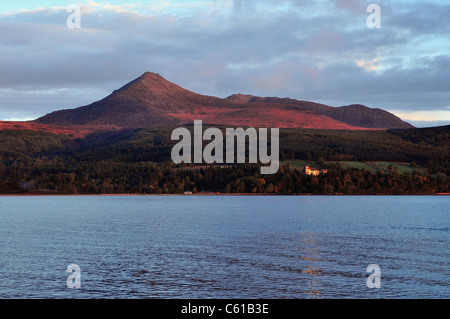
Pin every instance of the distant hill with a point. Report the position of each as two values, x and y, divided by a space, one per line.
151 100
360 115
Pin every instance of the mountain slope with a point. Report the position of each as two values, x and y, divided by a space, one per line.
353 115
142 102
360 115
151 100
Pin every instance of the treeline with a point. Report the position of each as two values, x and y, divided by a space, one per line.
104 177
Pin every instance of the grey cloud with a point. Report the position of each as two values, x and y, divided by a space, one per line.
35 103
354 6
410 89
421 18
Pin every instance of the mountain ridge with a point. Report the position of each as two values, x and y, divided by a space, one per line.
151 100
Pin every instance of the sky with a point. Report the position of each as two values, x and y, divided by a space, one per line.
321 51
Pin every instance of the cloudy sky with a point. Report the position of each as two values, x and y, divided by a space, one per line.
321 51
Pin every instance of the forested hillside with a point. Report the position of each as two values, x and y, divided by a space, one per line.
138 162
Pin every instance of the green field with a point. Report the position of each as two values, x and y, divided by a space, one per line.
401 168
369 166
297 164
358 165
382 166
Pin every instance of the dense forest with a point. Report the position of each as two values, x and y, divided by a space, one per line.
138 162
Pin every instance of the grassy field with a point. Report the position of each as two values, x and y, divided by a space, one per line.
401 167
369 166
297 164
358 165
382 166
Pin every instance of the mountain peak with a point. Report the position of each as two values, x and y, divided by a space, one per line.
151 83
149 73
151 76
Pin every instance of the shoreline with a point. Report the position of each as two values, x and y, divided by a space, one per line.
213 194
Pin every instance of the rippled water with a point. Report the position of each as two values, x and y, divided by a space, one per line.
224 246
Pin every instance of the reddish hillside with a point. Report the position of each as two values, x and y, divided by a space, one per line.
354 116
74 131
151 100
263 116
